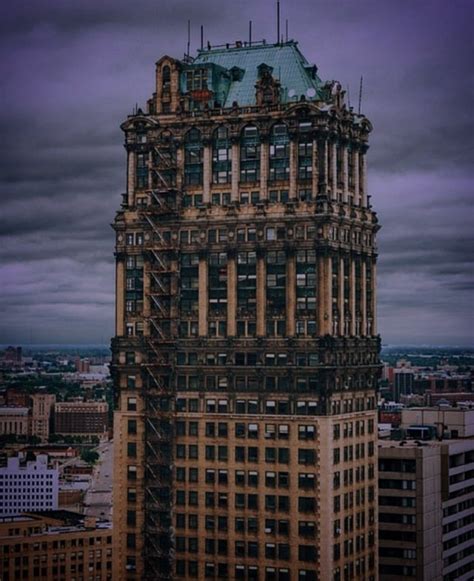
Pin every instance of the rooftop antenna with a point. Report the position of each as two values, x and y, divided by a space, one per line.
250 33
202 37
189 38
278 21
360 93
286 26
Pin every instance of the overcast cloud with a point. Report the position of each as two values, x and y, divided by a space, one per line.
72 71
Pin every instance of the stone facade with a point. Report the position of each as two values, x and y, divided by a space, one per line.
245 359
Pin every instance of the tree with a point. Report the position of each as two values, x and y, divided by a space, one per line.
90 456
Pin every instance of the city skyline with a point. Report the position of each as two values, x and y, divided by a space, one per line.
63 163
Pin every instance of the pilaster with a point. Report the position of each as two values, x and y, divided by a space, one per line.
203 295
234 196
206 173
231 295
131 177
264 157
261 295
293 168
291 294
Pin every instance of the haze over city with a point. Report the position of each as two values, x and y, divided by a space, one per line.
72 73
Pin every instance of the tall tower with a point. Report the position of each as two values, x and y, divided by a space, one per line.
246 357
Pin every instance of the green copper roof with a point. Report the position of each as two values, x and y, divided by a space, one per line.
297 77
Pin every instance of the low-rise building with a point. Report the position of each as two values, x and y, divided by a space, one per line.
55 545
27 486
426 502
14 421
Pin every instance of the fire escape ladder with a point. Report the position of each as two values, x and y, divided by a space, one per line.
160 394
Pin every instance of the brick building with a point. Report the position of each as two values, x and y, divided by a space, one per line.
81 418
55 545
246 356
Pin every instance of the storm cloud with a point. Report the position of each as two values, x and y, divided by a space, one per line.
71 72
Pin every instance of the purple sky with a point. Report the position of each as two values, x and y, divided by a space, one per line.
72 71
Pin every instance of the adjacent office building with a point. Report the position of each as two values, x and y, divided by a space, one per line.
426 510
246 355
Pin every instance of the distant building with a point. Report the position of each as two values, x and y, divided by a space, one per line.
426 500
403 382
41 409
81 418
12 355
28 486
55 545
17 397
82 365
14 421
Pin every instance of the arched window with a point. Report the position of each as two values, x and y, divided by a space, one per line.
166 77
193 158
221 156
250 154
279 153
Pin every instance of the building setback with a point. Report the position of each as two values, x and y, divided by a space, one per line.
426 502
55 545
246 355
28 486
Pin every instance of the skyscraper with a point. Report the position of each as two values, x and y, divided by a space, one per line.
246 357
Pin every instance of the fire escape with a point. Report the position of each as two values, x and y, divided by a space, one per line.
163 274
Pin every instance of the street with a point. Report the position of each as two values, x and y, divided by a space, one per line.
98 500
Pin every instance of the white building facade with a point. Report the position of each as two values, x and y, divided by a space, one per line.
26 487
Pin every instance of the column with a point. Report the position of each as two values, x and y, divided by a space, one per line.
363 298
231 295
363 179
355 165
326 164
131 177
293 194
352 296
340 296
206 173
203 295
291 294
315 172
150 171
261 295
234 196
322 165
374 298
146 290
264 157
324 295
334 170
120 300
180 167
345 172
